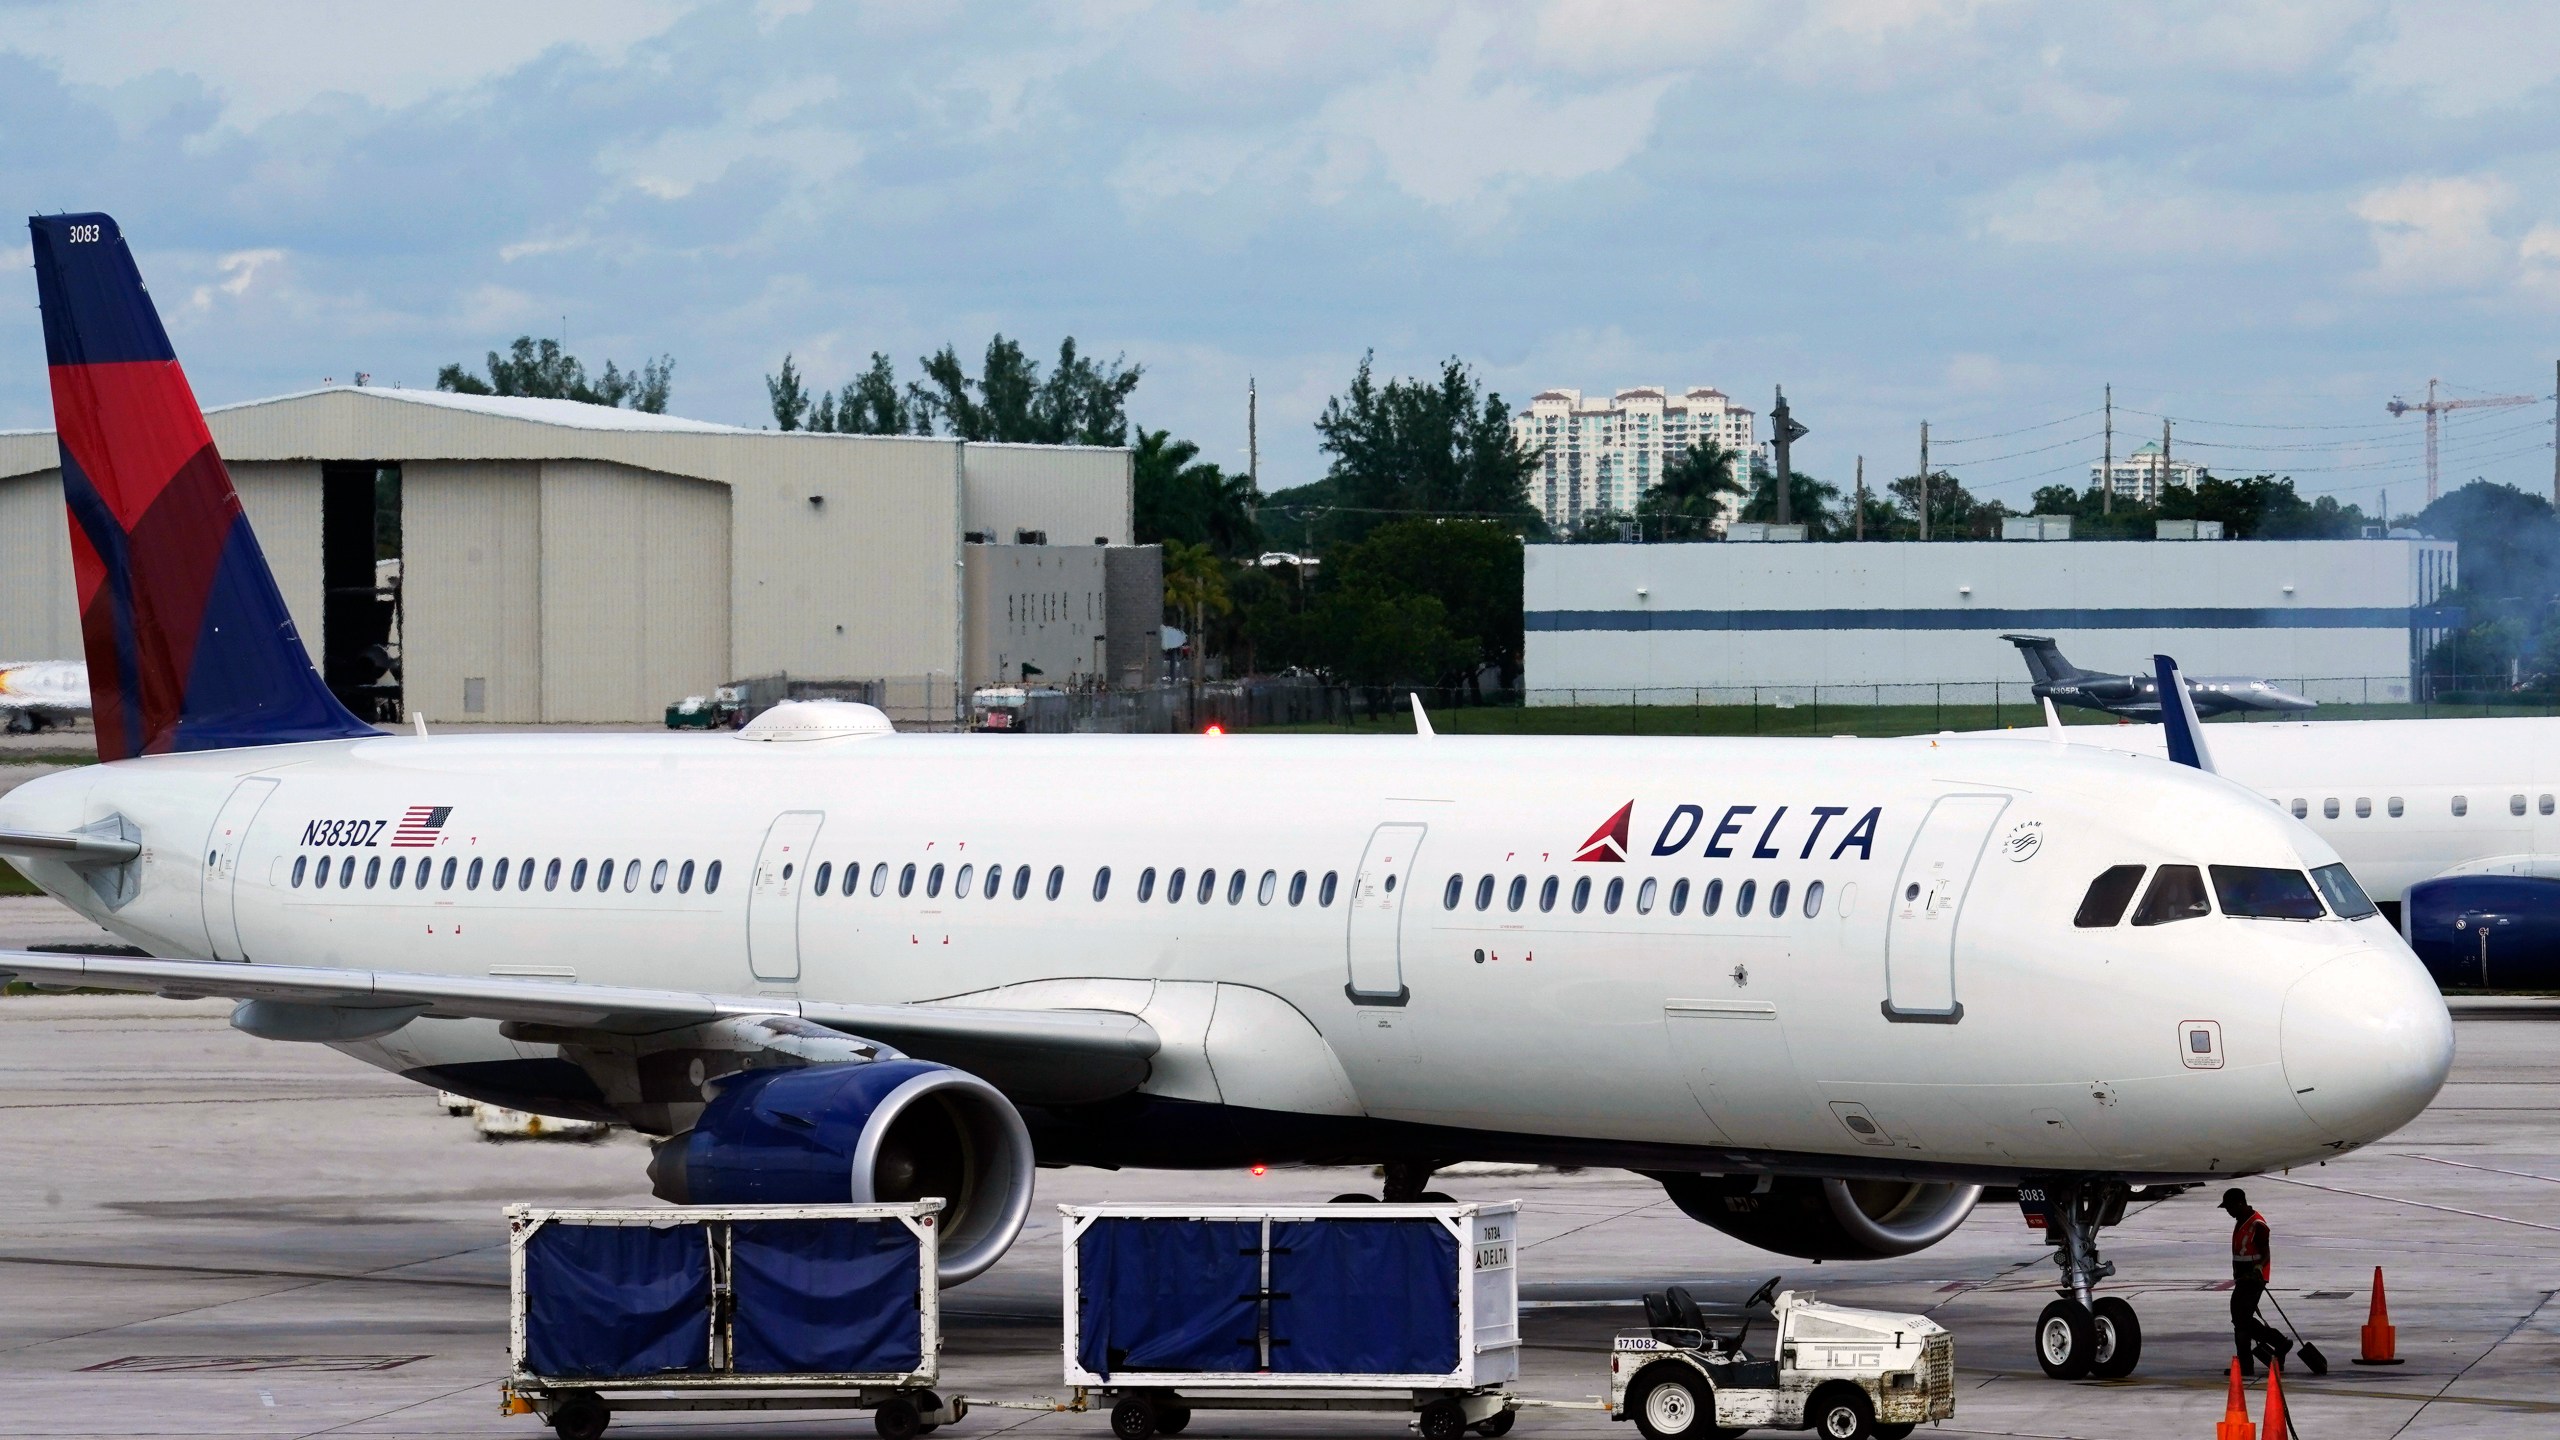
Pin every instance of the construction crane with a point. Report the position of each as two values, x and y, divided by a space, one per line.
2434 407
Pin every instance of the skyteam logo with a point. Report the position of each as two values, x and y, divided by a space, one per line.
1609 842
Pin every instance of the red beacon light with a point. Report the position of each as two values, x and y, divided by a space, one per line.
1261 1170
1215 729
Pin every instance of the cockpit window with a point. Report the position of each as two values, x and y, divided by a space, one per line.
2108 895
2262 892
2176 893
2346 898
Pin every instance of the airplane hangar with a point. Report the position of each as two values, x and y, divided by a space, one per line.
560 562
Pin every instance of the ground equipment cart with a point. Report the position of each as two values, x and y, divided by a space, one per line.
1406 1308
1843 1374
742 1307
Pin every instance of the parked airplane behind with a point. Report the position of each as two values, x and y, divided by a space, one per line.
42 694
1823 990
2136 695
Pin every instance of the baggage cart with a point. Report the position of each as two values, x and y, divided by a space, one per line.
725 1307
1402 1308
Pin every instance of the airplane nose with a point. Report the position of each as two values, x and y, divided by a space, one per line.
2367 1042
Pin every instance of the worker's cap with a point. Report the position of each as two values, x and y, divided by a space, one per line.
2235 1198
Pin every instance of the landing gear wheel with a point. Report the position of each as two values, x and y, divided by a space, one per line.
581 1417
1355 1199
1443 1420
898 1420
1170 1421
1134 1418
2119 1340
1495 1425
2066 1340
1670 1402
1842 1412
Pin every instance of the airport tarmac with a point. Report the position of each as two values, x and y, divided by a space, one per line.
205 1234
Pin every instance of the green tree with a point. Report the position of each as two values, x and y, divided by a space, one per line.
1697 487
1470 568
1602 527
1440 447
1385 641
1195 587
1953 512
1810 502
790 398
1180 497
541 370
1079 402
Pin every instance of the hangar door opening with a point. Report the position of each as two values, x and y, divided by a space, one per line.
360 579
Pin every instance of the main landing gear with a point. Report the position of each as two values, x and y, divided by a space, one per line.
2082 1336
1405 1179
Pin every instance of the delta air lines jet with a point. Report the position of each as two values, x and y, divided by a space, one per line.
1824 991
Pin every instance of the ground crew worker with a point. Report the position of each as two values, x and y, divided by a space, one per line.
2252 1265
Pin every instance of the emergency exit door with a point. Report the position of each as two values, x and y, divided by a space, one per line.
222 866
1378 894
1928 904
773 902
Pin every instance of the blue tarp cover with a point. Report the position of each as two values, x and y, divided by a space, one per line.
1364 1297
605 1301
832 1297
1168 1295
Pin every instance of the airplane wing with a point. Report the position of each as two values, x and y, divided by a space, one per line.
1056 1055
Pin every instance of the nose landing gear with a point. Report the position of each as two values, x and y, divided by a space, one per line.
2081 1335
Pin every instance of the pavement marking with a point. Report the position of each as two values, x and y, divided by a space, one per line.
2300 1385
2492 1169
2420 1204
228 1272
2441 1398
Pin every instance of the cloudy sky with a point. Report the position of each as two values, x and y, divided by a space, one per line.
2262 218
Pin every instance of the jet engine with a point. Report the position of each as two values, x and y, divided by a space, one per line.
1825 1219
2481 931
893 1130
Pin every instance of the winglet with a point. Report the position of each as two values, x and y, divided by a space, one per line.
2178 717
2052 719
1421 722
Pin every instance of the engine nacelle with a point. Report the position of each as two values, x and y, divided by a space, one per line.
890 1131
1825 1219
2486 932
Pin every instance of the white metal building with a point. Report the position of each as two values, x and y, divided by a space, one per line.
568 562
1603 455
2140 475
1667 619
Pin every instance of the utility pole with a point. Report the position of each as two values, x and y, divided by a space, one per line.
2164 455
1783 426
1858 517
1252 435
1924 479
2555 435
2107 494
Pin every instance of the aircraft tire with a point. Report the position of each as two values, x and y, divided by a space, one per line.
2119 1344
2066 1340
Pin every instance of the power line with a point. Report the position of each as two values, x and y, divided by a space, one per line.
2005 434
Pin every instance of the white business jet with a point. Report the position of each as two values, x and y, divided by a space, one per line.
42 694
1824 990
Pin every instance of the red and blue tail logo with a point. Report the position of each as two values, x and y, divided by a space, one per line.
189 643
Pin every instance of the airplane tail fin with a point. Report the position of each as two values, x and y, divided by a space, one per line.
189 644
2043 657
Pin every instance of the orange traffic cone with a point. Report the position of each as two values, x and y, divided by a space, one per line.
2273 1421
2381 1341
2235 1413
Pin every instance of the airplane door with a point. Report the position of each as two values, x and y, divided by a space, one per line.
1920 935
773 902
1378 894
222 865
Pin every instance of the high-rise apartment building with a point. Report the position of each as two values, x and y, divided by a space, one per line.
1602 455
2138 476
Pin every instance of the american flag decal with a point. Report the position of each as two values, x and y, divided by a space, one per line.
421 827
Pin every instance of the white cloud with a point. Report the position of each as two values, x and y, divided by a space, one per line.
2438 233
772 128
2113 212
239 271
2463 57
2538 257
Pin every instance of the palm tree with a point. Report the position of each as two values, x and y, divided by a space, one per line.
1691 498
1195 584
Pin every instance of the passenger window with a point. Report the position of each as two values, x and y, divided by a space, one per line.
1324 892
2329 808
1449 892
2461 806
320 874
2301 809
1812 899
301 866
1297 887
1547 895
499 880
1021 881
907 880
1173 885
550 876
960 882
932 881
1742 897
347 873
2262 892
2515 804
1644 897
1609 903
372 870
2393 805
1146 885
711 877
1517 895
1269 887
2176 893
1102 883
631 876
1208 885
684 878
2346 898
2113 890
879 879
992 887
524 874
2544 805
1710 898
1581 894
1679 896
604 875
1057 880
1484 893
1235 887
658 878
826 872
400 870
451 866
2364 807
1778 900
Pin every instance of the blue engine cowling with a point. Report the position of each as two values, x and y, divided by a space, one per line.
893 1130
2486 932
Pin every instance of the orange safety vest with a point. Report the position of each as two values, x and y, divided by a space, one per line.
2249 1245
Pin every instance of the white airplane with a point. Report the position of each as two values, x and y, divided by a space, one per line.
1824 990
2449 824
42 694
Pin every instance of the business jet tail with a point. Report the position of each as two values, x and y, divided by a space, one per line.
189 644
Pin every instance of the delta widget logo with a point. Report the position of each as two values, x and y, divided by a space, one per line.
1608 844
